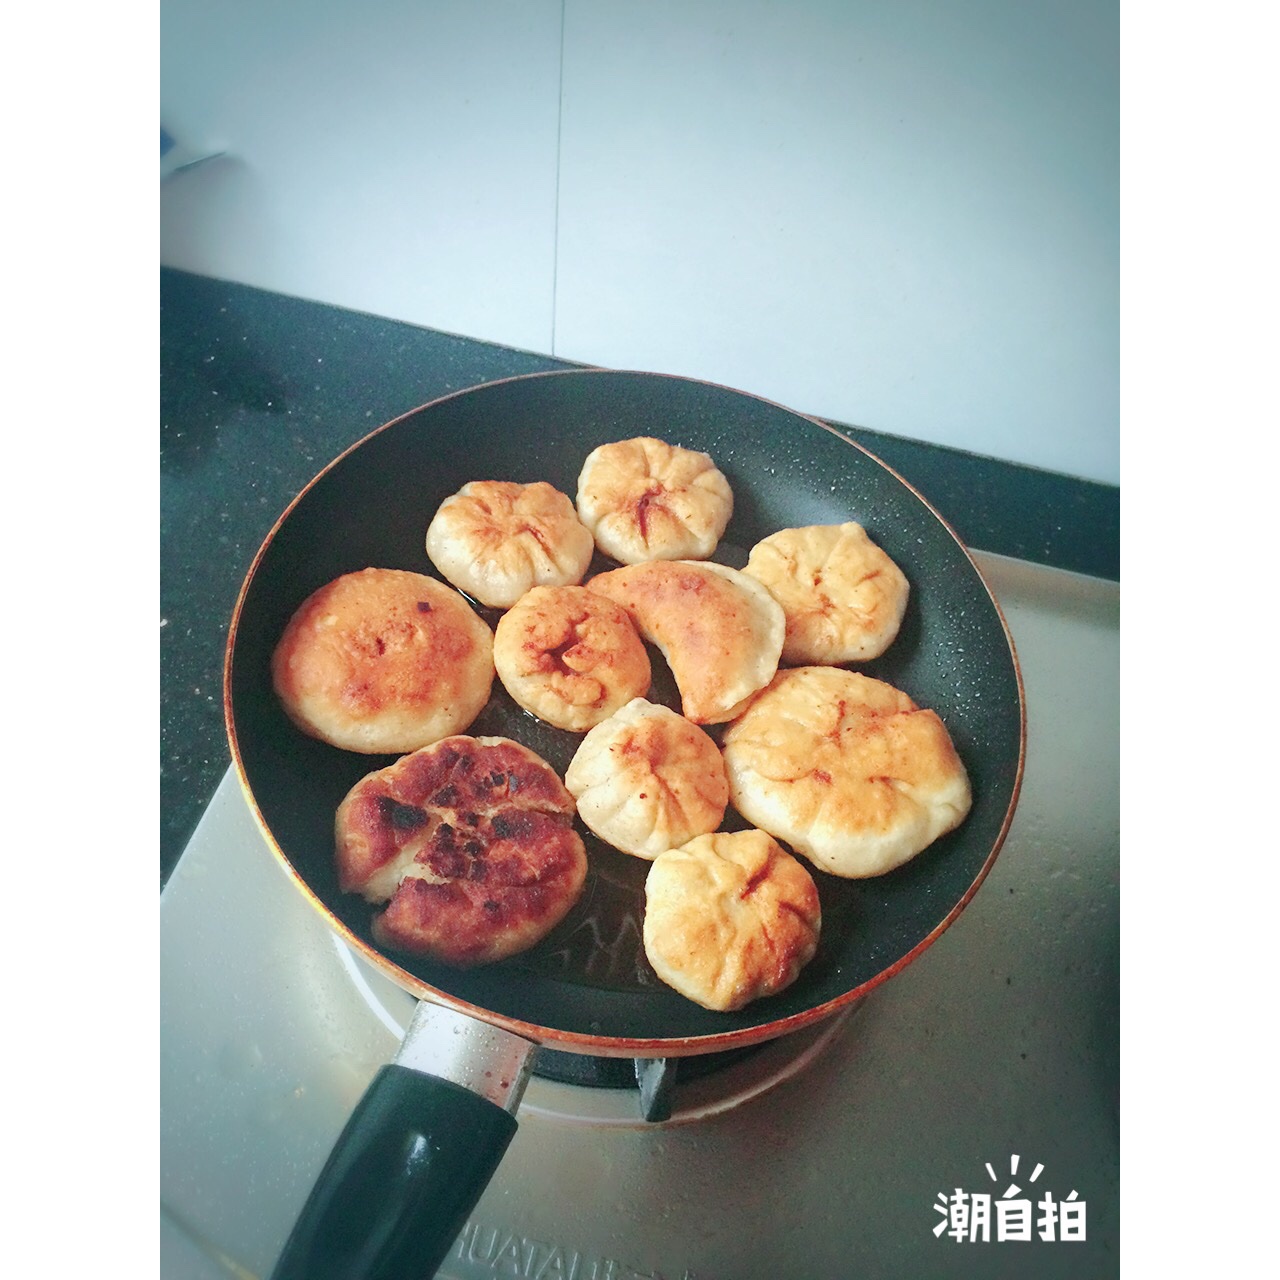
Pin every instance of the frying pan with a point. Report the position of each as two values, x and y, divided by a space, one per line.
433 1126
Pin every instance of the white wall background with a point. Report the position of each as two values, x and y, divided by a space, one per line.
900 215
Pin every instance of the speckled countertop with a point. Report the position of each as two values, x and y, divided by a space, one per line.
260 391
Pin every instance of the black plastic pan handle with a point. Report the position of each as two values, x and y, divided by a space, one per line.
415 1156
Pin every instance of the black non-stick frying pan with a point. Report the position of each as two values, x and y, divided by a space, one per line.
396 1192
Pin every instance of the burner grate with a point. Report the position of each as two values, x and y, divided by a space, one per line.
655 1079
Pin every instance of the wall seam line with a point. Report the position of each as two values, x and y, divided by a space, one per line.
555 217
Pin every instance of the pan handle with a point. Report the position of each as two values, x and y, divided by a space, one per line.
415 1156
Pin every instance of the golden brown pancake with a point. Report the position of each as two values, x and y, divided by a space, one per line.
843 597
470 842
720 631
644 499
570 657
647 780
494 539
730 918
845 769
383 660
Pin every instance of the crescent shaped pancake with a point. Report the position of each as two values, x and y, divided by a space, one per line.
470 842
570 657
845 769
730 918
720 631
644 499
647 780
843 596
494 539
383 661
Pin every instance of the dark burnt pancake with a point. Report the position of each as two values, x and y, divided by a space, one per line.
470 842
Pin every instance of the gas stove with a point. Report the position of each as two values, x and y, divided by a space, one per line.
829 1152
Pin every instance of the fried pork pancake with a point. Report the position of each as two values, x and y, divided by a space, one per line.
570 657
494 539
647 780
644 499
730 918
470 842
845 769
843 596
720 631
383 661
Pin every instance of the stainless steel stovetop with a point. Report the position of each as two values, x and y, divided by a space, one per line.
829 1155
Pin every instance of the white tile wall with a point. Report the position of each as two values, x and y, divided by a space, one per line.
903 216
393 156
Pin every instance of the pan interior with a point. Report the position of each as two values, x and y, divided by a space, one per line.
589 980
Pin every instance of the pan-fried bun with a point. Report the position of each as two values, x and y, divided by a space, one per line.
647 780
720 631
730 918
494 539
570 657
470 842
845 769
382 661
644 499
842 594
